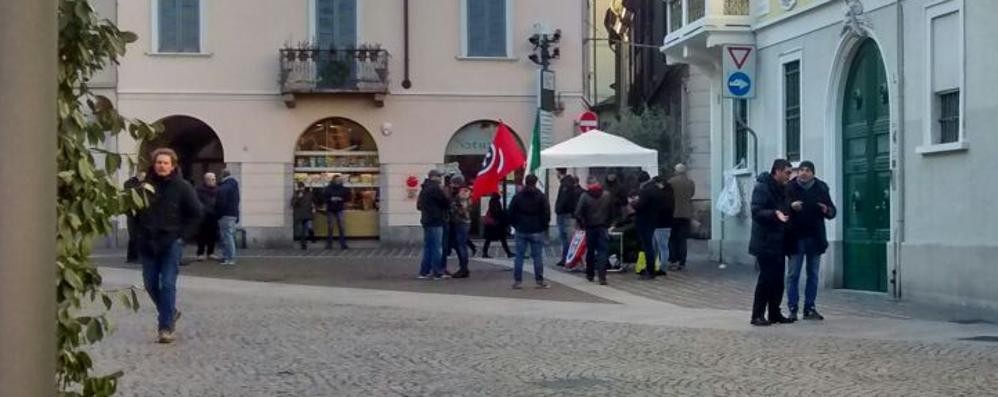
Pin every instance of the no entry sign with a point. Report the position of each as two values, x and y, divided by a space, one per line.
588 121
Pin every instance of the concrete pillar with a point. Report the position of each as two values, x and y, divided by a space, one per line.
28 37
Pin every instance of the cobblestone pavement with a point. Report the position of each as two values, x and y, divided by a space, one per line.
241 338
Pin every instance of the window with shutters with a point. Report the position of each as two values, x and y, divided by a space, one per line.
791 109
178 26
335 24
486 28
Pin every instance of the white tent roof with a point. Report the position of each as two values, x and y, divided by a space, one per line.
599 149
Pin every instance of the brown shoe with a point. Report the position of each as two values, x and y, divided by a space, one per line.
166 337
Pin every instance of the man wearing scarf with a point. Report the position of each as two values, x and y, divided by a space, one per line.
811 205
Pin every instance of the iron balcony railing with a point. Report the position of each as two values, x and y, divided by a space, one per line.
314 70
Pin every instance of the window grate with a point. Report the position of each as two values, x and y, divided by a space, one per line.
949 117
791 114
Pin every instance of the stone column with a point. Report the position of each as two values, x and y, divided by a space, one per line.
28 38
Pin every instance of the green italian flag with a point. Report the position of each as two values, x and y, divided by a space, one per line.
534 152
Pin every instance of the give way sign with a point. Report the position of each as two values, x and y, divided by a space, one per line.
738 65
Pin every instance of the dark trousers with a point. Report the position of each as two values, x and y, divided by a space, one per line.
207 236
502 240
597 252
677 240
769 288
335 218
303 231
647 238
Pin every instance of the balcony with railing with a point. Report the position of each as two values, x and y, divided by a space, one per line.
706 23
314 71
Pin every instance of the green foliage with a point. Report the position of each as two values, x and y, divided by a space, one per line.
653 129
88 196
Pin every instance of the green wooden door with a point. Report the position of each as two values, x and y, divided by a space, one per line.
866 172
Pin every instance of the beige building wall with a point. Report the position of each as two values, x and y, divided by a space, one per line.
233 87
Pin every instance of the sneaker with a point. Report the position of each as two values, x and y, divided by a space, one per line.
446 277
813 315
215 257
165 336
782 320
793 316
199 258
228 263
517 285
543 285
422 277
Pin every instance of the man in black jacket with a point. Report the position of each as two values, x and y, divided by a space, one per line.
336 196
564 208
595 214
173 213
433 205
811 205
531 214
769 222
647 210
227 211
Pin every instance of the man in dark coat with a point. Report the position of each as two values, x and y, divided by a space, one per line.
173 214
647 210
303 207
770 211
666 222
595 214
683 189
132 255
208 232
569 193
227 211
336 195
811 205
531 214
433 205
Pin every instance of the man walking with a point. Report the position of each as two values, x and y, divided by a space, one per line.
531 214
569 193
172 214
769 223
336 196
433 205
683 188
811 205
227 209
595 212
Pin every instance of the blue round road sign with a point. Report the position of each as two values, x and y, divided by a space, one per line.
739 84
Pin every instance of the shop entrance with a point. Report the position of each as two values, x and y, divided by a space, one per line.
339 146
197 146
467 149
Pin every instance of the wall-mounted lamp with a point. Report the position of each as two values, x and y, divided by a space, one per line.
386 129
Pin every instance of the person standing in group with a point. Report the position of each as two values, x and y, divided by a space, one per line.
433 206
666 219
768 244
530 212
337 196
461 223
569 194
647 210
172 214
811 204
594 213
303 208
683 188
208 232
132 253
496 226
227 209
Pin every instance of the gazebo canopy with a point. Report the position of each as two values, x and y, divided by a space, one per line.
599 149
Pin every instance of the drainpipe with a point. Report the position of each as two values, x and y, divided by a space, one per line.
406 83
28 42
899 165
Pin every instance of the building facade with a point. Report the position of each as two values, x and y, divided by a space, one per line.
377 91
890 100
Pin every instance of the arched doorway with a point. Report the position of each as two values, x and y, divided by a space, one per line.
866 171
467 148
339 146
197 146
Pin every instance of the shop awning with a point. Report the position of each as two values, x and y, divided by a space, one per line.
599 149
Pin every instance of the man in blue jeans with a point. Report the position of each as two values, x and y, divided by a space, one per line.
433 205
227 208
173 213
811 205
530 213
564 209
595 212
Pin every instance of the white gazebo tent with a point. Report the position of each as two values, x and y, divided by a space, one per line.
599 149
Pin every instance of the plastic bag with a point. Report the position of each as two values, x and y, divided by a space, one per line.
729 202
